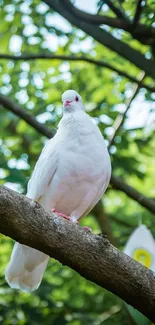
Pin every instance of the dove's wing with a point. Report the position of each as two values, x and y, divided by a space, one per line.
96 192
44 171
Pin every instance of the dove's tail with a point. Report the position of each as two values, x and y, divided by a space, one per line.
26 268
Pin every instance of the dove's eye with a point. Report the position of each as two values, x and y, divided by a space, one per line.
77 98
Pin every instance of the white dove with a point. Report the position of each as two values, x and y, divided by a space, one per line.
70 176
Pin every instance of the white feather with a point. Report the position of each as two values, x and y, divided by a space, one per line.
71 175
26 268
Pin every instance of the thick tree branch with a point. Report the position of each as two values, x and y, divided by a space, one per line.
97 19
17 110
90 255
137 31
104 38
141 32
121 21
99 63
115 181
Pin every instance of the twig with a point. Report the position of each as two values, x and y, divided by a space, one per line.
118 11
100 6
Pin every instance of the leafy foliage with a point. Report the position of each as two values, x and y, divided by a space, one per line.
31 27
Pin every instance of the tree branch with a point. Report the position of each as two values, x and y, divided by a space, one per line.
118 11
140 32
100 5
26 141
97 19
104 38
90 255
100 63
133 193
115 181
17 110
145 34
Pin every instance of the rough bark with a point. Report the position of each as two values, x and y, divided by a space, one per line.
92 256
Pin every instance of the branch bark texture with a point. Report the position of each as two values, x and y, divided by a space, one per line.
92 256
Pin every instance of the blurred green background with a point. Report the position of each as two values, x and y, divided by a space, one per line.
37 85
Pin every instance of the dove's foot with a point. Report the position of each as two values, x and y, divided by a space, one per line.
62 215
87 229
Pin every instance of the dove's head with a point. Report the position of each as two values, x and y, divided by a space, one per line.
72 101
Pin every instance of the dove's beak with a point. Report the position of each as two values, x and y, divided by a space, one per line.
67 103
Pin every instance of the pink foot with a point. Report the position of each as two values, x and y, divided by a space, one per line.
87 229
62 215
